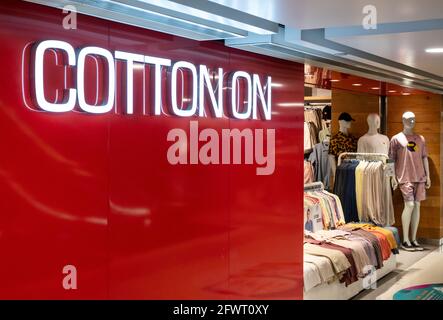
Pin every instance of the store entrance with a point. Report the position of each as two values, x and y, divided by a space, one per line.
358 229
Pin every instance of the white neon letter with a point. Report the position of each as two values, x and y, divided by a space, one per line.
130 58
258 90
235 113
177 111
81 80
158 62
39 77
217 105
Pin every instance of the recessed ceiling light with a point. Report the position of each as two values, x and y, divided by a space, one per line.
335 80
434 50
406 93
375 88
291 104
357 84
392 91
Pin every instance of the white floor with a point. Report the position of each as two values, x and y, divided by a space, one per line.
413 268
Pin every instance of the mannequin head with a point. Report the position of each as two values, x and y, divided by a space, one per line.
373 123
408 121
345 124
344 121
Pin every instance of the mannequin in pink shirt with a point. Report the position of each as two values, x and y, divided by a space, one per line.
412 176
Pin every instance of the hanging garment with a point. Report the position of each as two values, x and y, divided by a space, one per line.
307 137
373 195
344 188
324 134
330 208
321 164
308 172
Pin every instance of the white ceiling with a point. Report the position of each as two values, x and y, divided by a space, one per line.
309 14
341 19
407 48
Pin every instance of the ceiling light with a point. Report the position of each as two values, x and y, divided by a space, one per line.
291 104
335 80
406 93
375 88
392 91
276 85
357 84
434 50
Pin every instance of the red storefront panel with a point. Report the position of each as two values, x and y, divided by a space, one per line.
97 191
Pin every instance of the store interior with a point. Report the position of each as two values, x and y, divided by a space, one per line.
355 217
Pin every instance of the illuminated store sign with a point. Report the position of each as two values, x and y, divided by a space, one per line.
240 82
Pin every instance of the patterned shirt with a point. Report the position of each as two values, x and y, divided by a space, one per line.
341 143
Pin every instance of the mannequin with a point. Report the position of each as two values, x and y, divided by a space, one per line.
343 141
372 141
408 150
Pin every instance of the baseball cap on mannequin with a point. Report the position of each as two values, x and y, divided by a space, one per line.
345 117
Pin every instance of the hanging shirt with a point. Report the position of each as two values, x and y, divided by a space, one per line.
307 137
341 143
344 188
323 134
408 152
308 172
320 161
377 143
359 192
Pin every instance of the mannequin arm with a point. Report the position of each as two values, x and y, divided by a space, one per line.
428 176
394 183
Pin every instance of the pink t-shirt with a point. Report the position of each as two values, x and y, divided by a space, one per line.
408 152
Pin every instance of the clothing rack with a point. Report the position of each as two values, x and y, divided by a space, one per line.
366 156
314 186
315 106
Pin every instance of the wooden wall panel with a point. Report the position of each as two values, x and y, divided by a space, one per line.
358 105
428 112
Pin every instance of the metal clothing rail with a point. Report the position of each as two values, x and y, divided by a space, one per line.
314 186
372 156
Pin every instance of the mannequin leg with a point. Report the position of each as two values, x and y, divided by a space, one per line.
415 220
406 219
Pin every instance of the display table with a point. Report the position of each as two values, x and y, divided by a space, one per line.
338 291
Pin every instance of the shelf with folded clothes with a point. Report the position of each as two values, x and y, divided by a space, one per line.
336 252
346 255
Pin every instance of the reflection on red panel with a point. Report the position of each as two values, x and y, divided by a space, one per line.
97 191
